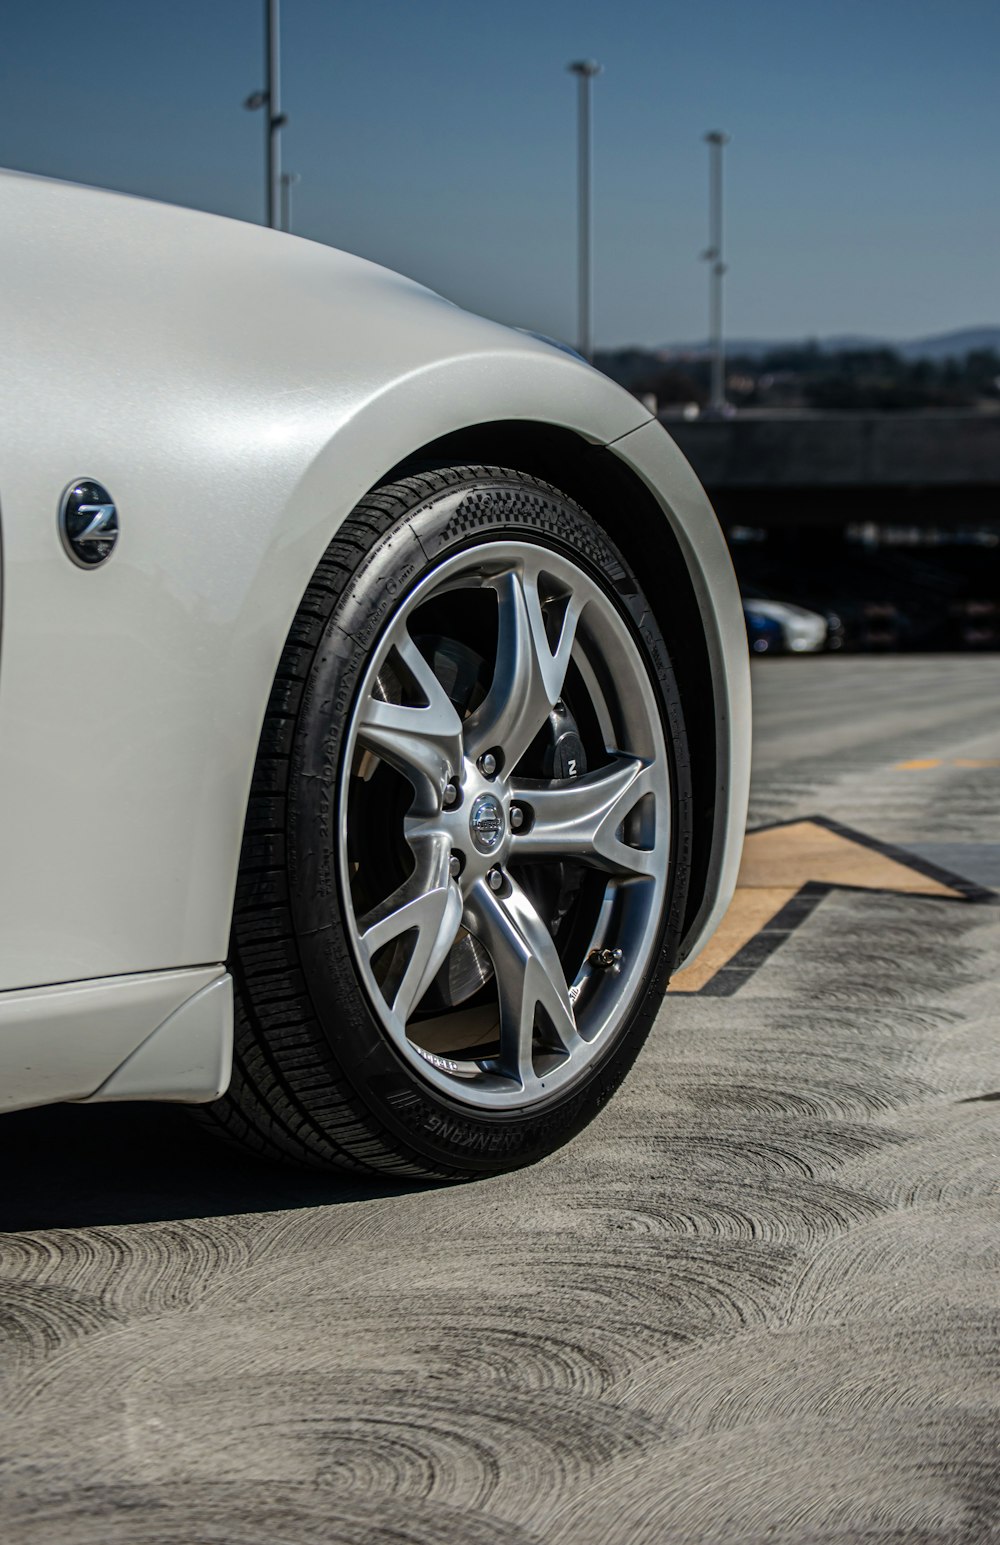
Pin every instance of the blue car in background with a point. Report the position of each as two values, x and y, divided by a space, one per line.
765 635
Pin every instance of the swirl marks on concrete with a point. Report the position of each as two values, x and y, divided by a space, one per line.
149 1269
955 1158
839 1373
782 1213
910 1478
907 1265
259 1513
37 1319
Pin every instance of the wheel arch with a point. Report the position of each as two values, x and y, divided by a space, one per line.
605 485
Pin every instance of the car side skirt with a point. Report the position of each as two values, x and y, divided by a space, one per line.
164 1035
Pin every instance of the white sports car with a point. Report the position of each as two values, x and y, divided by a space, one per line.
374 704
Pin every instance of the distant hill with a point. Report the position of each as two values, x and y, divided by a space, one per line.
953 345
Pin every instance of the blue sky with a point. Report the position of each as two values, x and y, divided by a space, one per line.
438 137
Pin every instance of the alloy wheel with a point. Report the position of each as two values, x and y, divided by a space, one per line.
504 895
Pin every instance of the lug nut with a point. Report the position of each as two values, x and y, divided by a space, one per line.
495 879
488 764
455 865
516 818
450 794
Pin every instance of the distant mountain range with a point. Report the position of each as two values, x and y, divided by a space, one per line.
954 345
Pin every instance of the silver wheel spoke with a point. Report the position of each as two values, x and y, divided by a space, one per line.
529 674
428 904
581 817
422 743
529 975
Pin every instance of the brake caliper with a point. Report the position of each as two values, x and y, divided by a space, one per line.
564 756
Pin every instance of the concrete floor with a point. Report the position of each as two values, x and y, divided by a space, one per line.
758 1300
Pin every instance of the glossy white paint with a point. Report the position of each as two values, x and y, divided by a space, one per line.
237 391
189 1058
668 475
64 1042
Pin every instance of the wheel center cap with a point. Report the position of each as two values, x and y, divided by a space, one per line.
486 822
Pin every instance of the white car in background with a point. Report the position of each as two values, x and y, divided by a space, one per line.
804 632
374 704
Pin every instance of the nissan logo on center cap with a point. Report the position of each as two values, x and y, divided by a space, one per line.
88 523
486 822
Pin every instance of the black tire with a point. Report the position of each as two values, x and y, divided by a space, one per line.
316 1078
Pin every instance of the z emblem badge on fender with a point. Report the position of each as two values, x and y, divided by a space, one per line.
88 523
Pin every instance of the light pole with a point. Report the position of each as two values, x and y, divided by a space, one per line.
713 256
274 120
288 181
584 70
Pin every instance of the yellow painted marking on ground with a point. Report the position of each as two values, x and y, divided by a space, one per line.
749 912
804 850
776 864
921 764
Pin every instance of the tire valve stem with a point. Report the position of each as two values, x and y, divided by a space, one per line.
605 960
